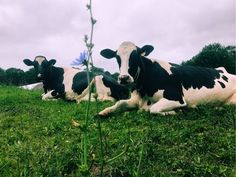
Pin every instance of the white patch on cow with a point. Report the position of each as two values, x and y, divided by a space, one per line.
232 99
69 74
203 95
124 51
123 105
222 69
40 59
165 65
104 93
146 102
48 96
158 95
71 95
165 106
36 86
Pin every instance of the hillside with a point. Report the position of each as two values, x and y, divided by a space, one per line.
37 138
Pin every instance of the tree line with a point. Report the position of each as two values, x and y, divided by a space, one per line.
212 55
15 76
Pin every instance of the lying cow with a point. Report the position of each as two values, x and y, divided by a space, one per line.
72 84
107 89
161 87
35 86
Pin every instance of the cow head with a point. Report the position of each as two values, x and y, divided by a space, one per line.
41 66
129 59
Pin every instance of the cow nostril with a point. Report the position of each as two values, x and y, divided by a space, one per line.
124 79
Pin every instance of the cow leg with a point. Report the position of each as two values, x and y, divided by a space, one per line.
102 91
50 95
165 106
86 97
232 99
122 105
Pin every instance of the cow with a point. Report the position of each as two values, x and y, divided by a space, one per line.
72 83
35 86
161 87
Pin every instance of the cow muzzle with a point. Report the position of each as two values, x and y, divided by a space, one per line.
124 79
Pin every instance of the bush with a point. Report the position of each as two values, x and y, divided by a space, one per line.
215 55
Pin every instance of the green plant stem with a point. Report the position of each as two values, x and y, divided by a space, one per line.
101 147
101 155
91 32
119 155
89 47
140 159
85 149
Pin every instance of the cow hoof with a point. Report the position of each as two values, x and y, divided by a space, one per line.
163 113
104 113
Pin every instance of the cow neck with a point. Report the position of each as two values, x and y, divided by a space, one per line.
137 74
54 76
142 82
141 71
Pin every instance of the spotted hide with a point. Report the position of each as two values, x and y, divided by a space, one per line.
161 87
72 84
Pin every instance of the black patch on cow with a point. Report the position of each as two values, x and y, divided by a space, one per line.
149 102
134 62
80 82
54 93
194 76
118 91
53 80
225 78
157 78
220 71
222 84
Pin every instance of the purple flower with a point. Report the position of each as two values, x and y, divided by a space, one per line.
81 60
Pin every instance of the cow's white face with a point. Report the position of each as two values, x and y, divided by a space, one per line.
123 53
41 66
128 57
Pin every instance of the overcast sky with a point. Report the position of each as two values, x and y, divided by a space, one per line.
178 29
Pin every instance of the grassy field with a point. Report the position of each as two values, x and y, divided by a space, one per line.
37 138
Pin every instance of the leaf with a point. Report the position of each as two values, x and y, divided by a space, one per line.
75 123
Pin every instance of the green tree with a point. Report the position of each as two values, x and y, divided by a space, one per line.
2 76
14 76
215 55
30 77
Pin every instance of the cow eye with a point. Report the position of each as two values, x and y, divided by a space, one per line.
54 93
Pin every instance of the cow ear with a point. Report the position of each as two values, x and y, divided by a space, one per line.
52 62
108 53
28 62
146 50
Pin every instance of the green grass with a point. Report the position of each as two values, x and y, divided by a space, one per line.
37 139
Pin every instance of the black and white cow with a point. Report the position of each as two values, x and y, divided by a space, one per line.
35 86
72 84
160 87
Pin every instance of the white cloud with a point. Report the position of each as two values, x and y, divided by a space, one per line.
178 29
